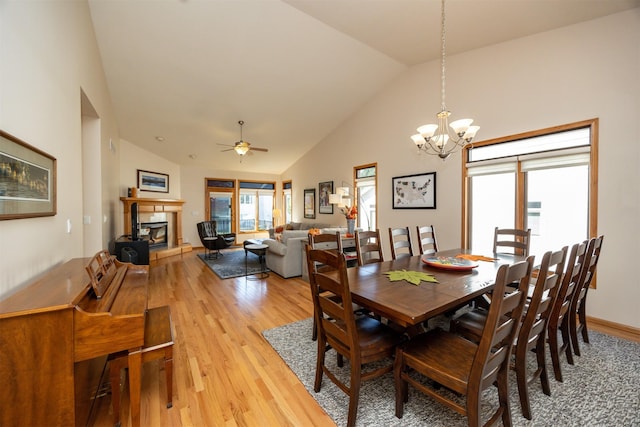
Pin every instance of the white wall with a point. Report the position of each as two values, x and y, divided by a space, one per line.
48 55
567 75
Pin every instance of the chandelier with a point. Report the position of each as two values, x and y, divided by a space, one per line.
444 138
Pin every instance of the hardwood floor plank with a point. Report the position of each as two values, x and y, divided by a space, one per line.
225 372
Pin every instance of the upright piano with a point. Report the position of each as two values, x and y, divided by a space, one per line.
55 336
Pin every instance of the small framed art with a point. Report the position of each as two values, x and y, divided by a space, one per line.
310 203
324 189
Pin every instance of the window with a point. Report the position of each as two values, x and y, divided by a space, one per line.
366 196
544 180
219 206
286 201
256 205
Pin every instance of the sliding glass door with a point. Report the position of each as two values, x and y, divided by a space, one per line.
221 210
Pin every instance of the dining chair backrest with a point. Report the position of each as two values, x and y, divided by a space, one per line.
325 241
332 297
503 321
558 320
427 242
368 247
532 334
400 241
578 310
517 241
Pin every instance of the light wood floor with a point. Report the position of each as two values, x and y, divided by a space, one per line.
225 372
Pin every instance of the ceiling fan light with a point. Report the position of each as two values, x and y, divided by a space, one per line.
241 149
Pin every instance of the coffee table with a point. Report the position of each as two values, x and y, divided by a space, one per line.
261 251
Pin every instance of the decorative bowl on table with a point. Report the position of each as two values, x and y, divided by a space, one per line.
449 263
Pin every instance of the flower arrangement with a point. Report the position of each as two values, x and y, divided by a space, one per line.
350 212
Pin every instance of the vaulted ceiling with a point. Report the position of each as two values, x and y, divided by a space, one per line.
182 73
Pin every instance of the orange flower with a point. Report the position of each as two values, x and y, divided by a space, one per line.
350 212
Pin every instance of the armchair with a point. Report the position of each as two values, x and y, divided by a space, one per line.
212 241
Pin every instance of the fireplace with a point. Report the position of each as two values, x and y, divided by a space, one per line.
155 233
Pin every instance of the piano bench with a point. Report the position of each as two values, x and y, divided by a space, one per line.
158 344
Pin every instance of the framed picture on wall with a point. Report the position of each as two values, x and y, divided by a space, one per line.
27 180
153 181
324 189
414 191
310 203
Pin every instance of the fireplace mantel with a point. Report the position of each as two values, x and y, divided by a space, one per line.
148 205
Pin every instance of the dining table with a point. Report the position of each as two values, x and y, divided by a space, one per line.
407 304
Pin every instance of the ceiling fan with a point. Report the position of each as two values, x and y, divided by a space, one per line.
242 147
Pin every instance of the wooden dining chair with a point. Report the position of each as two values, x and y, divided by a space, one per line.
516 241
327 241
368 247
362 339
400 240
462 366
558 318
578 317
532 333
427 242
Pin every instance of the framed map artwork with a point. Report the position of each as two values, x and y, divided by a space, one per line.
414 191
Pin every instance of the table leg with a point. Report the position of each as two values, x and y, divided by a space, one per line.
135 368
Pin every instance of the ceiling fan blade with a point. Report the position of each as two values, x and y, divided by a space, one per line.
228 149
259 149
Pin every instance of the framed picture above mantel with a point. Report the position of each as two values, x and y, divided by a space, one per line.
27 180
414 191
153 181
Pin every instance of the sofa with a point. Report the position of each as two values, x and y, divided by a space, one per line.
284 255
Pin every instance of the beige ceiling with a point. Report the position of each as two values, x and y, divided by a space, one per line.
293 70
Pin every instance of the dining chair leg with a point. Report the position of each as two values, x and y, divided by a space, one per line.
503 397
473 409
582 315
319 364
354 395
578 324
314 333
555 354
566 340
544 377
523 389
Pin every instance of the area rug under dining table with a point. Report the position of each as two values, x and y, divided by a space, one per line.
231 263
601 389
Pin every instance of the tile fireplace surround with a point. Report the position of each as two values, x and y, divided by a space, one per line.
172 208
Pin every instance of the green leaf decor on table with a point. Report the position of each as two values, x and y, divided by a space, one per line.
413 277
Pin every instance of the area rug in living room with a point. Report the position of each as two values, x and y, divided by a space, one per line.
231 263
600 389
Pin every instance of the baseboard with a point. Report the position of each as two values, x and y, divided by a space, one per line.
615 329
